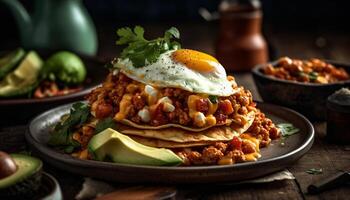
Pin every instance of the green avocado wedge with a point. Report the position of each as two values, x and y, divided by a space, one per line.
24 78
112 145
25 181
9 61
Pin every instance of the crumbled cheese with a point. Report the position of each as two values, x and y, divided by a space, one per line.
165 100
167 107
199 119
115 72
144 114
150 90
152 94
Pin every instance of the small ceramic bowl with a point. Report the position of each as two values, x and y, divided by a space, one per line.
50 189
307 98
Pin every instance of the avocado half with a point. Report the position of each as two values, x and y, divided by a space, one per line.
10 60
25 182
116 147
24 78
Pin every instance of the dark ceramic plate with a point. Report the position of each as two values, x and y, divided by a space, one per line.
21 110
307 98
273 158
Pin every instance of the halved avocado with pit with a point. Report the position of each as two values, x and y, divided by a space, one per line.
25 181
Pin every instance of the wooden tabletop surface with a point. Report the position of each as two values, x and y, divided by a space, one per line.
329 157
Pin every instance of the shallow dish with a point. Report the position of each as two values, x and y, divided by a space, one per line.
274 158
307 98
21 110
50 189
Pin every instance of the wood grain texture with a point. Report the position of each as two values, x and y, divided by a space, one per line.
293 43
330 158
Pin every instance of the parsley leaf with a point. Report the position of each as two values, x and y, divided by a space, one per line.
314 171
313 76
287 129
213 99
104 124
62 135
141 51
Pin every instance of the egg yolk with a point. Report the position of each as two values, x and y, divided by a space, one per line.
195 60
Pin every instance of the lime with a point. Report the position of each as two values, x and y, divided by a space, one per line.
66 67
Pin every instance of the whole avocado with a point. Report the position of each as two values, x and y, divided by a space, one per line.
66 67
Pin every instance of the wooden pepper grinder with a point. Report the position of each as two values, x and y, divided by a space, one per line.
240 45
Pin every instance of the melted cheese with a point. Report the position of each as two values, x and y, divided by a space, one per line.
212 108
131 88
123 107
252 156
197 116
255 142
144 114
210 120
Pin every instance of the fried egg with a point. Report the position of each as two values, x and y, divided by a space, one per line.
187 69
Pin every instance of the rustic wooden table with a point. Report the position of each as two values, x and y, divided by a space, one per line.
329 157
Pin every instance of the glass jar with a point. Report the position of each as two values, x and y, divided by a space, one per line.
240 44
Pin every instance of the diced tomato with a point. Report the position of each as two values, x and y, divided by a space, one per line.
236 143
226 107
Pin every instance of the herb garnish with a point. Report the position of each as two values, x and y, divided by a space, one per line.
314 171
62 135
287 129
313 76
104 124
141 51
213 99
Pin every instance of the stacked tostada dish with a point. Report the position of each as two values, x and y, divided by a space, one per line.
161 96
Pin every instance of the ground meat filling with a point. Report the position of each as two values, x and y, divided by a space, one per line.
109 99
236 151
123 98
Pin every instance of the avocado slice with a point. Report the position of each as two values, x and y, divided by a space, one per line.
26 181
9 60
112 145
24 78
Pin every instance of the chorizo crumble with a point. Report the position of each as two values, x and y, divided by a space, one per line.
307 71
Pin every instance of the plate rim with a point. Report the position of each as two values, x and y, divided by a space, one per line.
306 145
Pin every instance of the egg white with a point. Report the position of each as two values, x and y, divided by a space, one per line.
167 73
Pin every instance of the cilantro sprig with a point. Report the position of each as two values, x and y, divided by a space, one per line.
62 135
314 171
287 129
104 124
140 50
213 99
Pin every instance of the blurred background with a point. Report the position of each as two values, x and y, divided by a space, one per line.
290 27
